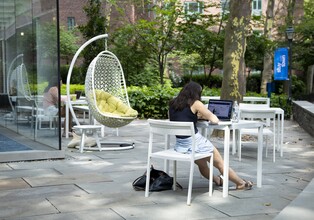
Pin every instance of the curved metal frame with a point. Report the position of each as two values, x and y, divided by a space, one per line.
71 69
121 146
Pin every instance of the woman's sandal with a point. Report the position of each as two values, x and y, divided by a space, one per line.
220 180
246 186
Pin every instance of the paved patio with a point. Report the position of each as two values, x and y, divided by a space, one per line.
98 185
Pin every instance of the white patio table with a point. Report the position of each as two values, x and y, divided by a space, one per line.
280 113
226 127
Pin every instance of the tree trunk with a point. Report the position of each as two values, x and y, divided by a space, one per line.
268 58
233 84
289 22
161 63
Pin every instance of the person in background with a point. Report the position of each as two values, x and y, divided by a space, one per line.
188 107
50 102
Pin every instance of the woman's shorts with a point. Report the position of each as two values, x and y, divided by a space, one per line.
51 111
202 145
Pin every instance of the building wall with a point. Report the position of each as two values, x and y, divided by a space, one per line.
129 12
132 12
70 8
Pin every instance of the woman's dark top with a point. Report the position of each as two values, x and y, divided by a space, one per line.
185 115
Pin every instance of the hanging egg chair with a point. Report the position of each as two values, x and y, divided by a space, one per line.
18 79
106 92
106 95
105 89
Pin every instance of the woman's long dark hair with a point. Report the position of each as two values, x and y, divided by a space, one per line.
187 96
52 82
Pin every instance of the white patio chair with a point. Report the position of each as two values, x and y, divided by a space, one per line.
266 115
39 117
169 128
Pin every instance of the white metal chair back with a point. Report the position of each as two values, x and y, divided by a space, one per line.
39 116
167 129
257 100
256 106
266 115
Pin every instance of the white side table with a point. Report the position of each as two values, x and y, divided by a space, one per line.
84 129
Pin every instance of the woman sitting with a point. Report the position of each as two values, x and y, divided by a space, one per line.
188 107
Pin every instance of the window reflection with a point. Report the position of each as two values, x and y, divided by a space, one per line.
29 58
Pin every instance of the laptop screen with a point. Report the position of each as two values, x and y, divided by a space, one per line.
221 108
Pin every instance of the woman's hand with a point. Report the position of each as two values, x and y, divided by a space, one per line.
203 112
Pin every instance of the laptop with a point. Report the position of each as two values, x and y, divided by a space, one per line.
221 108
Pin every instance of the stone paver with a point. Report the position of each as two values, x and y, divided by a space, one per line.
98 185
14 183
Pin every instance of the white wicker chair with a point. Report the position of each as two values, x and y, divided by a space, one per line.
104 73
25 101
18 89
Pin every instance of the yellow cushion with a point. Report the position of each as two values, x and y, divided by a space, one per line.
108 103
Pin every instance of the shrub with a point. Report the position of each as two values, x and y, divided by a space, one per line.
151 102
73 88
279 101
215 81
77 76
253 83
148 77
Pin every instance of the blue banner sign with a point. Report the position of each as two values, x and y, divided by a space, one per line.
281 64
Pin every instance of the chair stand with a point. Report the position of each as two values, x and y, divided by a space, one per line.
95 128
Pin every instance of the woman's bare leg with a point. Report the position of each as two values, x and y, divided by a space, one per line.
218 163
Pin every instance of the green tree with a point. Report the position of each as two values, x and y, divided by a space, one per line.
257 46
233 84
134 56
189 61
68 44
268 58
160 35
303 47
96 25
199 39
48 34
199 36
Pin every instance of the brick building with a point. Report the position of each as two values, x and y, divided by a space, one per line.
71 13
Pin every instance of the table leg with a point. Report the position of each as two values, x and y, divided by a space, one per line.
234 141
226 162
238 142
281 135
66 126
95 135
260 157
277 130
82 140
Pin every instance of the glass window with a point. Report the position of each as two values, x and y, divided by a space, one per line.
193 7
71 23
257 7
29 59
225 6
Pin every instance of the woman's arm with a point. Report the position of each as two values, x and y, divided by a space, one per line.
53 91
203 112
